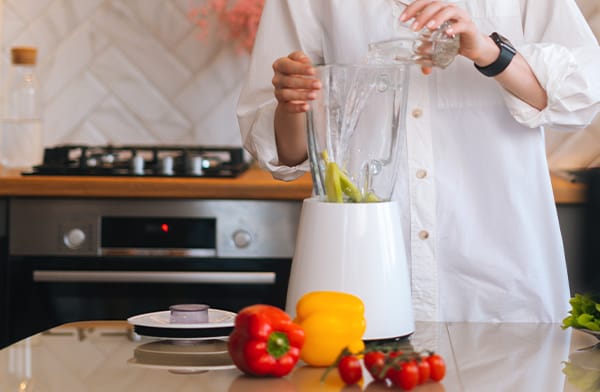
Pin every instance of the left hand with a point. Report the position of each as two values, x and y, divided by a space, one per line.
431 14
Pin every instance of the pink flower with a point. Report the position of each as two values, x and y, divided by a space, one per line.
237 22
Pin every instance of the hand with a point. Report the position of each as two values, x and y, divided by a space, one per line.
431 14
294 82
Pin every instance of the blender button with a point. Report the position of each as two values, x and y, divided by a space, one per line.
416 113
423 234
421 173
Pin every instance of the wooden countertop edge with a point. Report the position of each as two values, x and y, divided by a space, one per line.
567 192
253 184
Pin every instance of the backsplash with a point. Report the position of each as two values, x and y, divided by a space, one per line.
127 71
134 72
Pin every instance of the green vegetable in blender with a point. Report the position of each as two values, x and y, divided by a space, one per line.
333 186
584 313
348 187
371 197
338 184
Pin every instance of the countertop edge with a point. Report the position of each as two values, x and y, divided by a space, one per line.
255 183
567 192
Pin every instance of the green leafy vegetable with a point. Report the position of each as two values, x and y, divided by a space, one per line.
584 313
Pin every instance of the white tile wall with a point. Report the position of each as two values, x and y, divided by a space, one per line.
127 71
133 71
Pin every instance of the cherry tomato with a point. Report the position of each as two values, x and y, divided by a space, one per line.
374 362
406 376
424 370
349 369
390 356
438 367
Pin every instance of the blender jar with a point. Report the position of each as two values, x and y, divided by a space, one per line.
356 131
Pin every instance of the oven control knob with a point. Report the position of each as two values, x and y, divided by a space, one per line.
74 238
242 239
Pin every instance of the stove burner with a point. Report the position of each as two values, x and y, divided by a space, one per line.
148 161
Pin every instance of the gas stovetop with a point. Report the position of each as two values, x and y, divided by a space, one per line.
157 161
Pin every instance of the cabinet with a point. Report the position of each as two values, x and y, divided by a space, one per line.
571 217
3 272
580 228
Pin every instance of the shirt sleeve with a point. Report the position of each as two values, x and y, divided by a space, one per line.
278 35
565 57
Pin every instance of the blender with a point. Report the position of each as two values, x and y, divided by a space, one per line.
349 235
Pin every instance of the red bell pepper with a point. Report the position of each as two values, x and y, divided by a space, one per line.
265 341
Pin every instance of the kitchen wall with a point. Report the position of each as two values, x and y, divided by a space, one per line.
134 71
127 71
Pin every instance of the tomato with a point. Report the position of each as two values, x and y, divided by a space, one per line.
391 355
424 370
406 376
374 362
349 369
438 367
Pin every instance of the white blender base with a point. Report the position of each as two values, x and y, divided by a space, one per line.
356 248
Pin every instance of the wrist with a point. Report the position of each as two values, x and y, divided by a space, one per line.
489 53
506 52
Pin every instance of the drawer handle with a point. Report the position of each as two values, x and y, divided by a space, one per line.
154 277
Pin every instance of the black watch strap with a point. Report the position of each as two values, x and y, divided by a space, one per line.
507 52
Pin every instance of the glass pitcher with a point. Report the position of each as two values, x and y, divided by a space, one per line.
356 131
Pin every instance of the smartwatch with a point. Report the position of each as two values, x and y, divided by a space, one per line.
507 52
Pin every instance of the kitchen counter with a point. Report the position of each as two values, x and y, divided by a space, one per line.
253 184
100 356
567 192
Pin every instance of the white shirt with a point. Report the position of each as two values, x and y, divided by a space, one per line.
479 216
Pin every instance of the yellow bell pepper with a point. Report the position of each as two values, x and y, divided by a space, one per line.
331 322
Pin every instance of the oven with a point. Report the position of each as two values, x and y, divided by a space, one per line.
109 259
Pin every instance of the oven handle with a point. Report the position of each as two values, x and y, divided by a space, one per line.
154 277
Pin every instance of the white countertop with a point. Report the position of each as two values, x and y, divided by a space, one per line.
479 357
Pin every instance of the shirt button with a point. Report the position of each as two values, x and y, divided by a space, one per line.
416 113
421 173
423 234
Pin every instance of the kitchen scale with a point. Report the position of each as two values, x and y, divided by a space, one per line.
159 325
350 236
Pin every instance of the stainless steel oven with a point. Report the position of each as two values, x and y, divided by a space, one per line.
88 259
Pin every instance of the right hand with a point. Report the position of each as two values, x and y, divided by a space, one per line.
294 82
431 14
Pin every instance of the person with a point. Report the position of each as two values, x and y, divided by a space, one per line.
481 228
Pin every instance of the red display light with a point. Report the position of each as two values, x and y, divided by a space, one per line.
164 227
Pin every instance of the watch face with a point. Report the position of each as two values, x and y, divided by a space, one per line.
503 42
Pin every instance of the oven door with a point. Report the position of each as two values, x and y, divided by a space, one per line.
110 259
46 292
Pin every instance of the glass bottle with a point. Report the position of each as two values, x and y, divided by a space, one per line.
22 136
426 47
